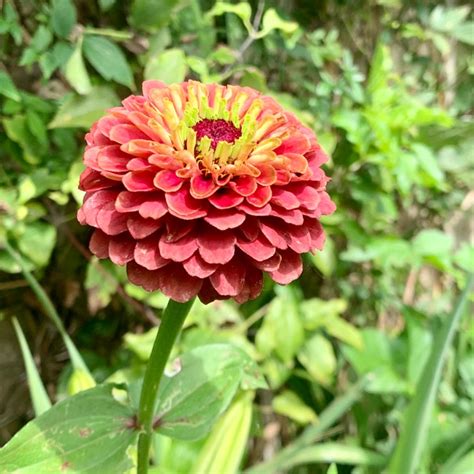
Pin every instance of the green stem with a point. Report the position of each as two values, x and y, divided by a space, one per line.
171 324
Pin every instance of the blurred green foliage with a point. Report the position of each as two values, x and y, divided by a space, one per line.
386 86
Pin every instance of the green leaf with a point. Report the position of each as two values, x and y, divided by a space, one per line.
7 87
225 447
318 358
289 404
241 9
63 17
37 242
169 66
190 401
336 452
147 15
272 21
89 432
432 242
83 111
108 60
38 394
325 260
417 417
76 73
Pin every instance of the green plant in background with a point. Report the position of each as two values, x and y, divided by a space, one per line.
348 351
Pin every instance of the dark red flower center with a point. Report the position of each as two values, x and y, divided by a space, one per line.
218 130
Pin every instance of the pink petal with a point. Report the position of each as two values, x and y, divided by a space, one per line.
167 181
177 228
202 187
149 280
283 177
260 197
260 249
124 133
178 285
105 124
147 254
295 143
150 85
99 244
178 250
296 163
111 221
207 294
252 287
139 181
216 246
225 199
182 204
139 164
270 264
92 180
316 233
130 202
155 207
275 234
165 162
121 249
299 239
90 157
290 216
326 205
284 198
229 279
198 267
244 185
250 228
306 195
140 228
225 219
255 211
290 268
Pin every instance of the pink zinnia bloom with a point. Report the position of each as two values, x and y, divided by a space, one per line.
199 189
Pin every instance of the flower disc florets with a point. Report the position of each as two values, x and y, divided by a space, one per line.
199 189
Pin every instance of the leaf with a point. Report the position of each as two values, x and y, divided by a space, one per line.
8 88
76 73
417 417
83 111
318 358
241 9
108 59
432 242
190 401
38 394
272 21
89 432
37 242
336 452
325 260
146 16
63 17
225 447
169 66
289 404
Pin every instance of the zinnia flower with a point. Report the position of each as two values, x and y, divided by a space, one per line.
199 189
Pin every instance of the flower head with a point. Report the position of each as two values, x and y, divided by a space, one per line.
199 189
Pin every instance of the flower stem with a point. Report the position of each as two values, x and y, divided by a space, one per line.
171 324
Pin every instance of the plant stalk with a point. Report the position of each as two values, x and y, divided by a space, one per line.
171 324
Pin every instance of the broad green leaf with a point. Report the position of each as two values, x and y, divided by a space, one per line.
169 66
190 401
37 242
79 381
225 446
147 15
76 73
83 111
108 59
63 17
38 394
318 313
89 432
325 260
417 417
465 32
289 404
318 358
8 88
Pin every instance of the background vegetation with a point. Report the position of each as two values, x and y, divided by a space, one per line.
387 87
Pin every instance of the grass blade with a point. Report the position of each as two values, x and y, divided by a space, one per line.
418 414
39 396
76 358
311 434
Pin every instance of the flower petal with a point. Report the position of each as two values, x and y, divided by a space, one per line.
167 181
275 234
198 267
260 197
123 133
202 187
225 219
225 199
229 279
260 249
121 249
244 185
139 181
178 250
147 254
215 246
149 280
111 221
284 198
99 244
140 227
182 204
178 285
252 287
290 268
